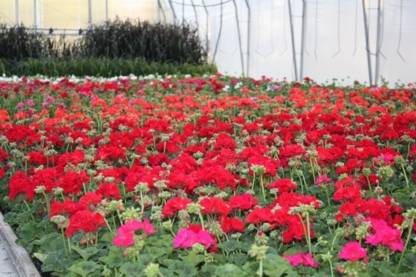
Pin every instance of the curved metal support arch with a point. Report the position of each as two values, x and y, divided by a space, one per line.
367 42
248 37
175 19
219 35
293 40
239 38
207 26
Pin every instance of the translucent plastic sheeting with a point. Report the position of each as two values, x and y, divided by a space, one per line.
398 44
254 38
321 39
335 45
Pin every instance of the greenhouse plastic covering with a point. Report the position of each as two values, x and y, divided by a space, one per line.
351 40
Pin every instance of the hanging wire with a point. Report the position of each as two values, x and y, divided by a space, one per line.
196 17
219 34
271 30
356 25
207 26
202 6
284 29
239 37
400 30
339 31
316 29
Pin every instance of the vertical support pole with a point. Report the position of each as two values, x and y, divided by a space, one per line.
196 16
35 14
16 12
239 38
89 14
106 11
219 34
183 12
293 41
207 28
367 42
173 11
248 37
302 51
380 19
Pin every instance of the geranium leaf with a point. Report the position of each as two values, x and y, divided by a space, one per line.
84 268
229 270
183 268
132 269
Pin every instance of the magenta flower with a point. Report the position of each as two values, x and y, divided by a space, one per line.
322 179
353 251
124 238
147 227
384 235
30 103
126 235
20 105
186 238
304 259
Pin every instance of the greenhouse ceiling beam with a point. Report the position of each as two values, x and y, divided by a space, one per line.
367 42
239 38
303 41
380 23
248 37
293 41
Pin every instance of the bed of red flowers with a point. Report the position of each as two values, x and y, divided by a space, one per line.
209 176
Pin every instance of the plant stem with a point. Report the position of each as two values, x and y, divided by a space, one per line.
262 187
313 169
309 233
261 268
64 243
330 266
405 245
405 175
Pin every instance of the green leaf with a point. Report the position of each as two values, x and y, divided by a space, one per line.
230 246
183 268
115 257
409 260
84 268
85 253
229 270
41 257
193 259
132 269
276 266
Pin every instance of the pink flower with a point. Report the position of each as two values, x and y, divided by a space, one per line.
186 238
384 235
30 102
124 239
353 251
125 236
304 259
205 238
148 227
322 179
20 105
